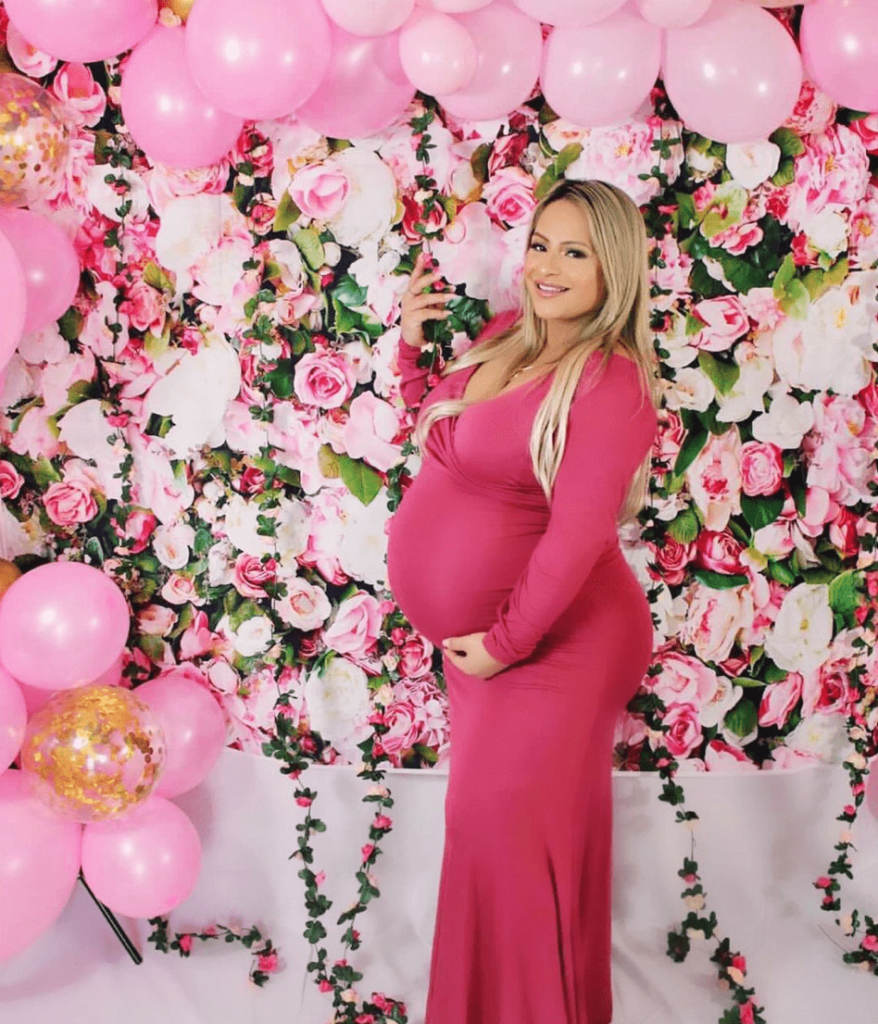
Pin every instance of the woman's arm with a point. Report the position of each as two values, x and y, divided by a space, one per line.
609 433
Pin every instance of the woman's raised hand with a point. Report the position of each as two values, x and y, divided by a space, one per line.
419 305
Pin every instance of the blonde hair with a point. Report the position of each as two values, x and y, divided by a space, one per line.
619 239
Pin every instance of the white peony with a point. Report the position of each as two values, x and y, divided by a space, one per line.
86 432
725 697
337 699
800 637
828 232
241 526
370 208
786 422
253 636
821 736
752 163
363 549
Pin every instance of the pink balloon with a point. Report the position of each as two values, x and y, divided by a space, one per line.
600 74
675 13
168 116
259 59
510 46
48 261
147 863
438 54
569 12
62 625
374 18
13 300
13 719
83 30
194 728
735 51
39 863
457 6
839 40
36 698
364 90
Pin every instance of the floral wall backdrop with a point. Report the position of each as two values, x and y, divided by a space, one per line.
217 421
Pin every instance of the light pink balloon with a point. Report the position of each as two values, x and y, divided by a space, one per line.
674 13
62 625
364 90
259 59
457 6
736 51
600 74
49 262
373 18
145 864
39 863
13 719
569 12
168 116
510 46
13 300
438 54
839 40
36 698
83 30
194 728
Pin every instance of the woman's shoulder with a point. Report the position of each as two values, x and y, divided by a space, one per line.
497 324
619 386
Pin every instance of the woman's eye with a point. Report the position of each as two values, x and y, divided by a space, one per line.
576 252
537 245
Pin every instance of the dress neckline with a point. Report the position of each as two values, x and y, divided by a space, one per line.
467 374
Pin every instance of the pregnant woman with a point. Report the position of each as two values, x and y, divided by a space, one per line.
504 551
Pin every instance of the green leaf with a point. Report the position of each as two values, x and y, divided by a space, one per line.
156 278
720 580
796 300
782 572
361 480
742 719
837 274
761 511
568 155
479 162
348 293
287 213
786 272
687 216
772 673
724 375
280 380
844 593
309 245
44 473
743 274
427 754
725 209
693 325
748 682
70 324
544 185
685 527
785 174
788 142
696 438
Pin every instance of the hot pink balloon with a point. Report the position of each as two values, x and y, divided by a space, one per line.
438 54
675 13
13 300
259 59
374 18
145 864
569 12
39 863
62 625
600 74
839 40
13 719
363 91
83 30
48 261
194 728
736 51
510 46
168 116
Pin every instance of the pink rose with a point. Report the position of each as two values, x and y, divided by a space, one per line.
403 728
84 100
371 431
761 468
356 626
724 322
509 195
746 1011
682 729
721 756
779 699
304 606
145 307
669 271
814 110
324 378
715 479
669 438
867 128
267 962
138 529
251 574
319 191
27 58
417 222
70 501
10 480
720 552
185 943
672 559
683 680
415 657
827 690
156 620
181 590
507 151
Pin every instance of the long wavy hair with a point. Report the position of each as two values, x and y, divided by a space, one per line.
622 322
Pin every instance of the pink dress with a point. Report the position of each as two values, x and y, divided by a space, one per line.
522 931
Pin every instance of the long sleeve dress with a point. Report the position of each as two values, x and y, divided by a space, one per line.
522 931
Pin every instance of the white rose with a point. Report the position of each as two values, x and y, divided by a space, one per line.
691 389
828 232
786 422
338 703
241 526
676 342
305 606
821 736
288 258
292 531
363 550
253 636
799 640
195 394
751 163
725 697
26 538
370 207
171 544
700 165
747 394
220 563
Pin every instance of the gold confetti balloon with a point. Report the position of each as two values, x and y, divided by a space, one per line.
34 141
98 752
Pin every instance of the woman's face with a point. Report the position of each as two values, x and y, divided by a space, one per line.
562 273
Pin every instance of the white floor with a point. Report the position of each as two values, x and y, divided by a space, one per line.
762 840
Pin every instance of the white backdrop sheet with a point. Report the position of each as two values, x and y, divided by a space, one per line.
762 839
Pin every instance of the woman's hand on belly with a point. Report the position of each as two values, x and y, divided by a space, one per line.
469 655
